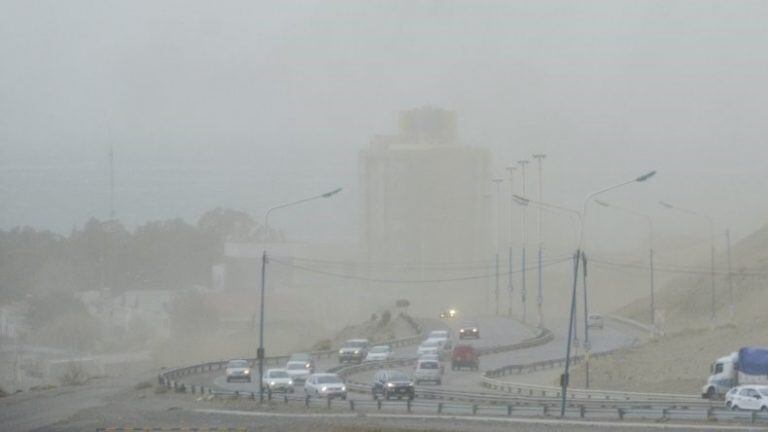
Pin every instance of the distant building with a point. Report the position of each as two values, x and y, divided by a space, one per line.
425 209
424 196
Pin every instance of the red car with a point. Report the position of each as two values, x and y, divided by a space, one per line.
465 356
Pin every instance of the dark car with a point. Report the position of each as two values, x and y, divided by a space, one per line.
354 350
309 361
465 356
392 383
469 331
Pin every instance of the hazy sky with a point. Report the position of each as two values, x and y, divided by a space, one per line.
248 104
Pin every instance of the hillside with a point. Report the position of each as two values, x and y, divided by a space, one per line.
679 361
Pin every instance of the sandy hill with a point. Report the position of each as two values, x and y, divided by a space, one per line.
679 361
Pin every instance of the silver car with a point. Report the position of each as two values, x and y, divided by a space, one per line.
428 370
325 385
277 380
297 370
238 370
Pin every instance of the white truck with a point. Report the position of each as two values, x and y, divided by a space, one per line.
749 365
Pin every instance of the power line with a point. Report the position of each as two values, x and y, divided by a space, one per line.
404 281
678 269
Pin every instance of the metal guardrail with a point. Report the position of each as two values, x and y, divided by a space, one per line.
170 377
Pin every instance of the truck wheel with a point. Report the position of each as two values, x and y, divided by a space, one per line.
710 393
735 408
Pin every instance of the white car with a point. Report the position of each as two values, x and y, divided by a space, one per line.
326 385
434 334
277 380
748 397
297 370
428 370
238 370
429 346
379 353
595 321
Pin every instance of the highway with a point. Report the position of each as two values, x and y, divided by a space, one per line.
495 331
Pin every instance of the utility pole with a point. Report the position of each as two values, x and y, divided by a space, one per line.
497 181
510 284
523 291
730 275
540 295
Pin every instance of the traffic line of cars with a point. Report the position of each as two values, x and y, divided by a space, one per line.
300 367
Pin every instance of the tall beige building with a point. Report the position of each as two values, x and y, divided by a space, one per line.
425 199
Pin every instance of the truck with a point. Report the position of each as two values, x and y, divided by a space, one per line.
748 365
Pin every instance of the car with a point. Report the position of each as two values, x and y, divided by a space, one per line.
748 397
465 356
469 330
729 396
297 370
434 334
309 361
392 383
595 321
238 370
277 380
434 357
325 385
428 370
379 353
353 350
430 346
449 313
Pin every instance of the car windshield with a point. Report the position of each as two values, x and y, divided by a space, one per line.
237 364
428 365
354 344
329 379
278 374
398 376
295 365
380 349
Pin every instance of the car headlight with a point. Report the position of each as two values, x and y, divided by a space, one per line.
474 329
272 383
357 352
341 351
390 385
308 365
290 382
324 388
343 388
247 372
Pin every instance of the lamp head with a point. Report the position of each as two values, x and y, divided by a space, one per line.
645 177
521 200
602 203
331 193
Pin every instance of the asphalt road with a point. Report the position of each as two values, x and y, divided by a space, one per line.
495 331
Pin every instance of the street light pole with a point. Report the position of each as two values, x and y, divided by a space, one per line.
731 307
667 205
648 219
510 284
497 182
540 295
523 238
264 260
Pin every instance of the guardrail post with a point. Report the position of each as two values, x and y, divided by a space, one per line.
509 410
754 416
237 394
582 411
408 404
439 407
665 414
378 404
329 402
253 395
269 394
474 409
545 410
193 389
351 405
306 401
711 413
621 413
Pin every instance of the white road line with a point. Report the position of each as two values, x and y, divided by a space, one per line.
553 422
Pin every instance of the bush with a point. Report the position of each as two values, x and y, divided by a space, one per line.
74 375
386 317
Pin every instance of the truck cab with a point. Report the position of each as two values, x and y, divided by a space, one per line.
722 377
